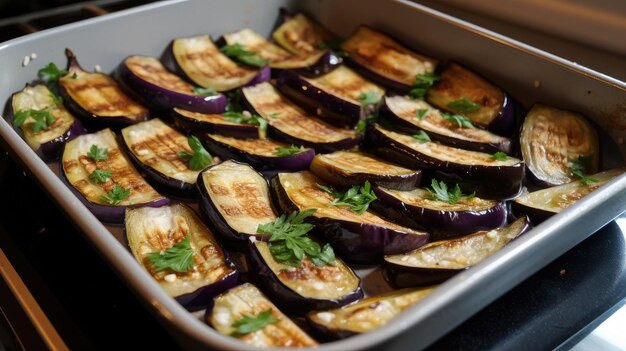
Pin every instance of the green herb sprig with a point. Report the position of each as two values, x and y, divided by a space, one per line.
368 100
579 169
421 113
239 53
97 154
460 120
234 101
464 106
500 156
440 192
205 91
288 151
250 324
422 137
116 195
51 73
358 198
43 119
199 158
178 258
100 176
239 117
421 84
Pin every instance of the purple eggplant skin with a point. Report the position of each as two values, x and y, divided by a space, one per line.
442 224
355 242
162 99
536 215
198 299
327 107
195 126
490 181
328 62
52 149
504 123
265 75
286 298
293 163
405 126
402 276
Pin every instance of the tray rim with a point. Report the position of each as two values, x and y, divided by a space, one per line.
456 287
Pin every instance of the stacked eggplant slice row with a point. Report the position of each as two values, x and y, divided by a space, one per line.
305 168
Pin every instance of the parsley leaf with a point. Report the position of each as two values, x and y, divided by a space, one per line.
460 120
97 154
178 258
205 91
238 52
100 176
116 195
358 198
500 156
56 99
241 117
200 158
288 151
422 137
421 113
368 99
43 119
464 106
421 84
249 324
440 192
51 73
579 168
234 101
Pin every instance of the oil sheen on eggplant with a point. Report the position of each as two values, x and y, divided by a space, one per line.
195 122
439 260
156 149
402 112
347 168
248 300
542 204
158 229
235 198
551 139
77 167
357 238
290 124
97 98
47 142
366 315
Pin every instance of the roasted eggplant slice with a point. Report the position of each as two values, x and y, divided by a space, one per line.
290 124
35 103
246 300
97 98
542 204
554 142
357 238
103 178
463 91
162 90
202 62
336 97
302 36
439 260
412 115
196 123
365 315
196 267
347 168
385 61
236 199
156 149
442 219
263 154
494 177
301 289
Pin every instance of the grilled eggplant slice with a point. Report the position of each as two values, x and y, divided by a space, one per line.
440 260
404 114
290 124
385 61
490 107
493 178
260 153
347 168
204 64
162 90
236 199
306 287
97 98
357 238
156 149
551 139
442 219
542 204
302 36
333 97
247 300
48 142
77 168
150 230
365 315
196 123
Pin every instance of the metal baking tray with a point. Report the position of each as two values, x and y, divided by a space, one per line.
528 74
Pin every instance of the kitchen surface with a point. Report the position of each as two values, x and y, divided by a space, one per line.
577 302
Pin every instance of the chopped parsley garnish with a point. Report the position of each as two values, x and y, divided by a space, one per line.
421 113
464 106
116 195
288 151
440 192
205 91
500 156
422 137
579 169
199 158
178 258
56 99
51 73
100 176
234 101
368 100
358 198
460 120
250 324
241 117
239 53
421 84
97 154
43 119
